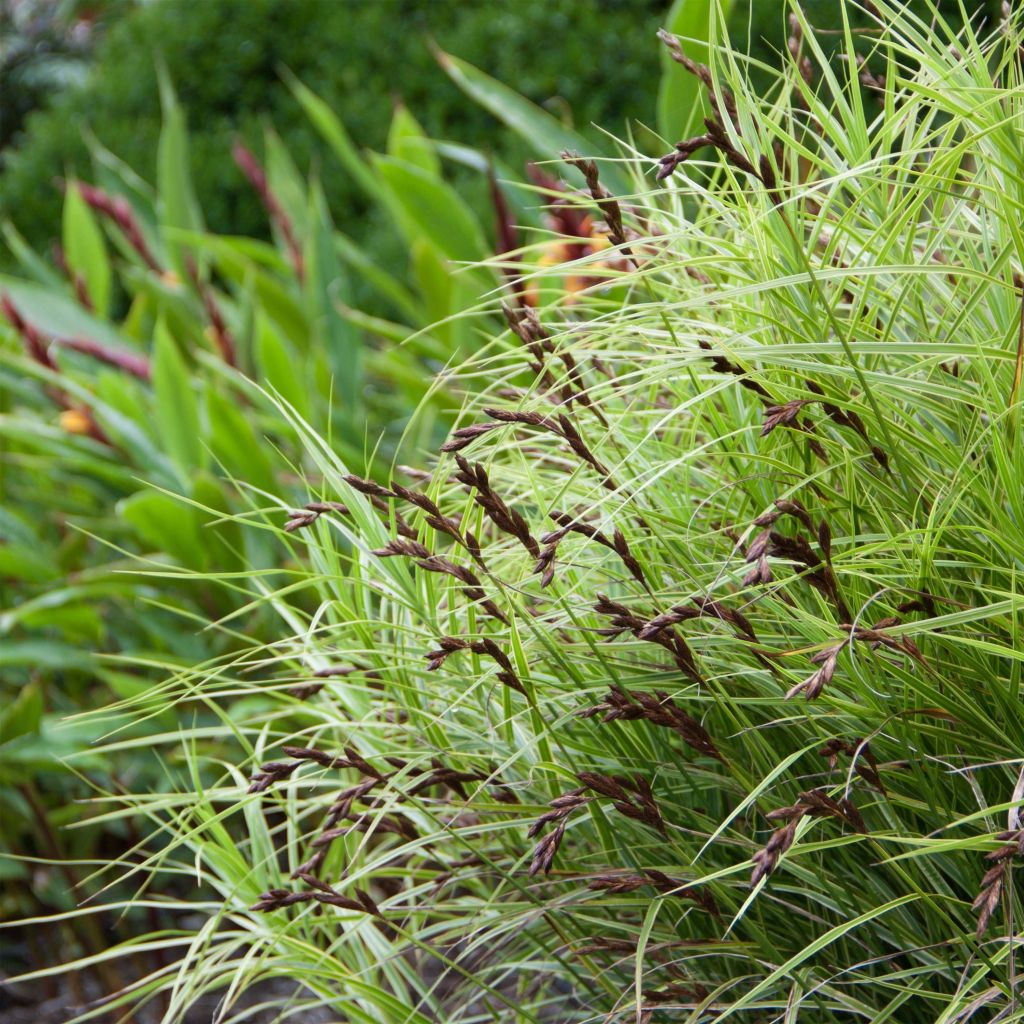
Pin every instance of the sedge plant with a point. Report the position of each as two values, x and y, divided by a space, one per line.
683 683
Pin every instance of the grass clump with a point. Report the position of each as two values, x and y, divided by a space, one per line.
686 686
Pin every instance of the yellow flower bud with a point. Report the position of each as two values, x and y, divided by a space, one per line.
75 421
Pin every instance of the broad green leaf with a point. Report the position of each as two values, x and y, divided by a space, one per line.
387 285
30 262
279 365
546 135
128 396
15 528
43 654
682 105
114 175
434 282
136 320
234 442
408 142
166 525
177 202
126 432
255 249
434 209
55 312
85 249
23 715
177 412
330 127
59 597
233 258
47 747
221 536
76 623
447 290
34 564
82 455
423 342
178 309
286 182
326 287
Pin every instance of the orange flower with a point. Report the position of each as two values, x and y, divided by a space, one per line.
567 250
76 421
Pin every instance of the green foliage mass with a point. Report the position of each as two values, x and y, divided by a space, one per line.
589 61
782 435
595 57
126 388
697 695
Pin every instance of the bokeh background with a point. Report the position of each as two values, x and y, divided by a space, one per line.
74 67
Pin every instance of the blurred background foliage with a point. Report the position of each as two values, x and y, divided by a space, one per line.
225 58
589 62
45 47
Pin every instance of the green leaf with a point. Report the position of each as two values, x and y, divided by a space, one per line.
166 525
333 131
15 527
40 654
85 249
433 209
447 290
30 262
118 178
285 181
221 536
546 135
326 287
262 253
59 597
279 365
682 105
435 285
177 412
75 623
34 564
387 285
56 313
235 443
408 142
128 396
177 203
47 747
236 259
393 331
23 715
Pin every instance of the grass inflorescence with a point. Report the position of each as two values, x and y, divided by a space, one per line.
741 736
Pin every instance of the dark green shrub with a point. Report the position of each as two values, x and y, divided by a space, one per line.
46 47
